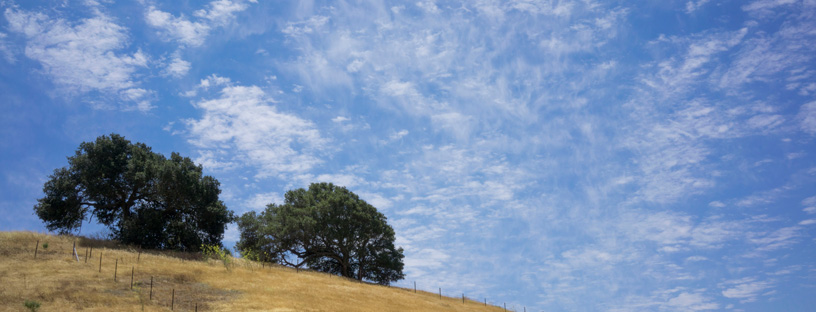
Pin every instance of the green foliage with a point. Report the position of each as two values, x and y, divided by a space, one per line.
254 255
327 228
32 305
218 253
142 197
45 245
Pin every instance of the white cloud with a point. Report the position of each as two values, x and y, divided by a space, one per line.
243 121
807 117
214 81
177 67
746 289
765 122
81 57
791 156
429 7
221 12
340 119
716 204
692 6
305 27
5 50
678 232
140 97
212 160
761 5
177 28
341 179
458 73
398 135
807 222
561 9
193 33
810 201
205 84
259 201
780 238
777 56
765 197
377 200
426 258
692 302
676 75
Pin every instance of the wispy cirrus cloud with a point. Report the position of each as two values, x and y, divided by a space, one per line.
84 56
5 49
764 6
407 52
746 289
807 117
479 143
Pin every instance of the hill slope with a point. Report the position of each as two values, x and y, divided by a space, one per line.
59 283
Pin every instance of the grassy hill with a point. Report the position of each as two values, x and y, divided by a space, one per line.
56 281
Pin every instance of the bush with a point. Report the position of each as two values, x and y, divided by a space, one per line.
32 305
216 252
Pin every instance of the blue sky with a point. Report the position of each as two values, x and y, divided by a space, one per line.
555 155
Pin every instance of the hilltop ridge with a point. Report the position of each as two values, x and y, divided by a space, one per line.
182 281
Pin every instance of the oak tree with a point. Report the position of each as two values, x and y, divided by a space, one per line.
326 228
142 197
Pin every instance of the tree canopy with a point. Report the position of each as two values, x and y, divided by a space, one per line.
327 228
143 197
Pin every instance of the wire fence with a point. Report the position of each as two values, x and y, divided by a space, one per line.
161 290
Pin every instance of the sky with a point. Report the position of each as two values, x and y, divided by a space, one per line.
555 155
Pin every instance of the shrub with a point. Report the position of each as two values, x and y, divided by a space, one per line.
32 305
216 252
45 245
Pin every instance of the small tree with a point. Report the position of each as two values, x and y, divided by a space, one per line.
326 228
144 198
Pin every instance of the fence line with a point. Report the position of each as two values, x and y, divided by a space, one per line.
89 254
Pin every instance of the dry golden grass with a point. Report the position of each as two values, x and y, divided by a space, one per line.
59 283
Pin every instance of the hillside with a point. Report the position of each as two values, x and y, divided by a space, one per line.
59 283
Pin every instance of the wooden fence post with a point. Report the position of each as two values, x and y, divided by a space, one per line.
173 300
115 268
440 292
36 248
132 270
100 262
151 288
73 252
463 298
414 286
